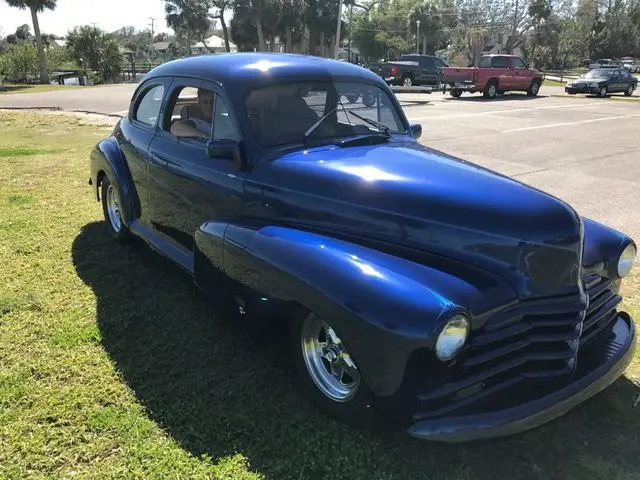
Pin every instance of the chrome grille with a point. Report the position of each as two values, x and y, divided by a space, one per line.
533 344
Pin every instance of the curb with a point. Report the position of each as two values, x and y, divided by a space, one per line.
578 96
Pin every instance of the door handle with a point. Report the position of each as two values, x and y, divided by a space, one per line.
159 159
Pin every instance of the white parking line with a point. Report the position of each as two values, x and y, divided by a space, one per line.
123 112
579 122
497 112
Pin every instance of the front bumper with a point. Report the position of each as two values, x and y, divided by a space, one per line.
582 89
617 351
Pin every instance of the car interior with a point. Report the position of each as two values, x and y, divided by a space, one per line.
278 117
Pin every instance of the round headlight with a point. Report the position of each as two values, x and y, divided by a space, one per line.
452 337
625 262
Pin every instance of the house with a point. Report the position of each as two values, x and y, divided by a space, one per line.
214 44
161 47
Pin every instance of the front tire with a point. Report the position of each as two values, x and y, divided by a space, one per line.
329 374
603 92
533 89
456 93
112 212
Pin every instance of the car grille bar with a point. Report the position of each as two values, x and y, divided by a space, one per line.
529 347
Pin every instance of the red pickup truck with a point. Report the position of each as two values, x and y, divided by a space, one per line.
494 75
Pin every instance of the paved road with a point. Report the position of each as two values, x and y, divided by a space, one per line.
584 150
111 99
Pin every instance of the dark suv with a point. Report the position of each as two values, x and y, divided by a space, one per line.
411 70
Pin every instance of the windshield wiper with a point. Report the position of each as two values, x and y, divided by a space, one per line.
380 126
313 127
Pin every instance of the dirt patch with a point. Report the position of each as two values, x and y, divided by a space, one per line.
86 118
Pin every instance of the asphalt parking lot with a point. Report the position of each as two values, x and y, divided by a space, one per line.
584 150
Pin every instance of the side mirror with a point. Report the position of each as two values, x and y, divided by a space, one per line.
416 129
227 149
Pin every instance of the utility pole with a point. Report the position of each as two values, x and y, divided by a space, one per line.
418 36
337 50
350 27
153 20
514 28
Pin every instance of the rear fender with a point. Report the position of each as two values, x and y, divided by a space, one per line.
107 158
383 307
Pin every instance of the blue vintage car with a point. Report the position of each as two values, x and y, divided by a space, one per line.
413 286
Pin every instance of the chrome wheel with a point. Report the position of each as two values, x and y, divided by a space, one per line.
492 91
113 209
327 360
603 92
407 82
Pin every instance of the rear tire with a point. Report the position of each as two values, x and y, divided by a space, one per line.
490 89
369 99
112 212
318 352
407 81
534 88
456 93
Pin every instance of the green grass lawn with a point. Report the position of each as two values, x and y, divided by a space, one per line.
112 366
553 83
27 88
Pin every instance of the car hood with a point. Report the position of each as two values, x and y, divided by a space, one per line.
407 194
582 81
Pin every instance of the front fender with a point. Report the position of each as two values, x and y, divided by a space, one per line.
106 157
602 248
383 306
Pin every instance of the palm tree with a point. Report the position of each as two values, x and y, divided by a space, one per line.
36 6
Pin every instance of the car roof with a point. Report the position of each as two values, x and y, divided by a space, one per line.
252 66
418 55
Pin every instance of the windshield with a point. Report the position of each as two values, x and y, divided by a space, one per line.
293 113
598 74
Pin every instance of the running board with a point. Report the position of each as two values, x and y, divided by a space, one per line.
162 244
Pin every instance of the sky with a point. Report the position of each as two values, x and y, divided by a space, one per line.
109 15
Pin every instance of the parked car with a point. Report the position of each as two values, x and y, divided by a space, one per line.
411 285
631 65
603 81
411 70
494 75
603 62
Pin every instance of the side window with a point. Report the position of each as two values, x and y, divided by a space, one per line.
190 113
149 107
500 62
518 63
426 62
223 126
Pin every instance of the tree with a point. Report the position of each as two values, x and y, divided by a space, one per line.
35 7
476 38
93 48
221 6
189 19
23 32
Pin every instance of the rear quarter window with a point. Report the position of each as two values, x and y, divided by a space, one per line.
148 107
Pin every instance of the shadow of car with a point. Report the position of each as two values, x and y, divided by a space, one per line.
218 393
